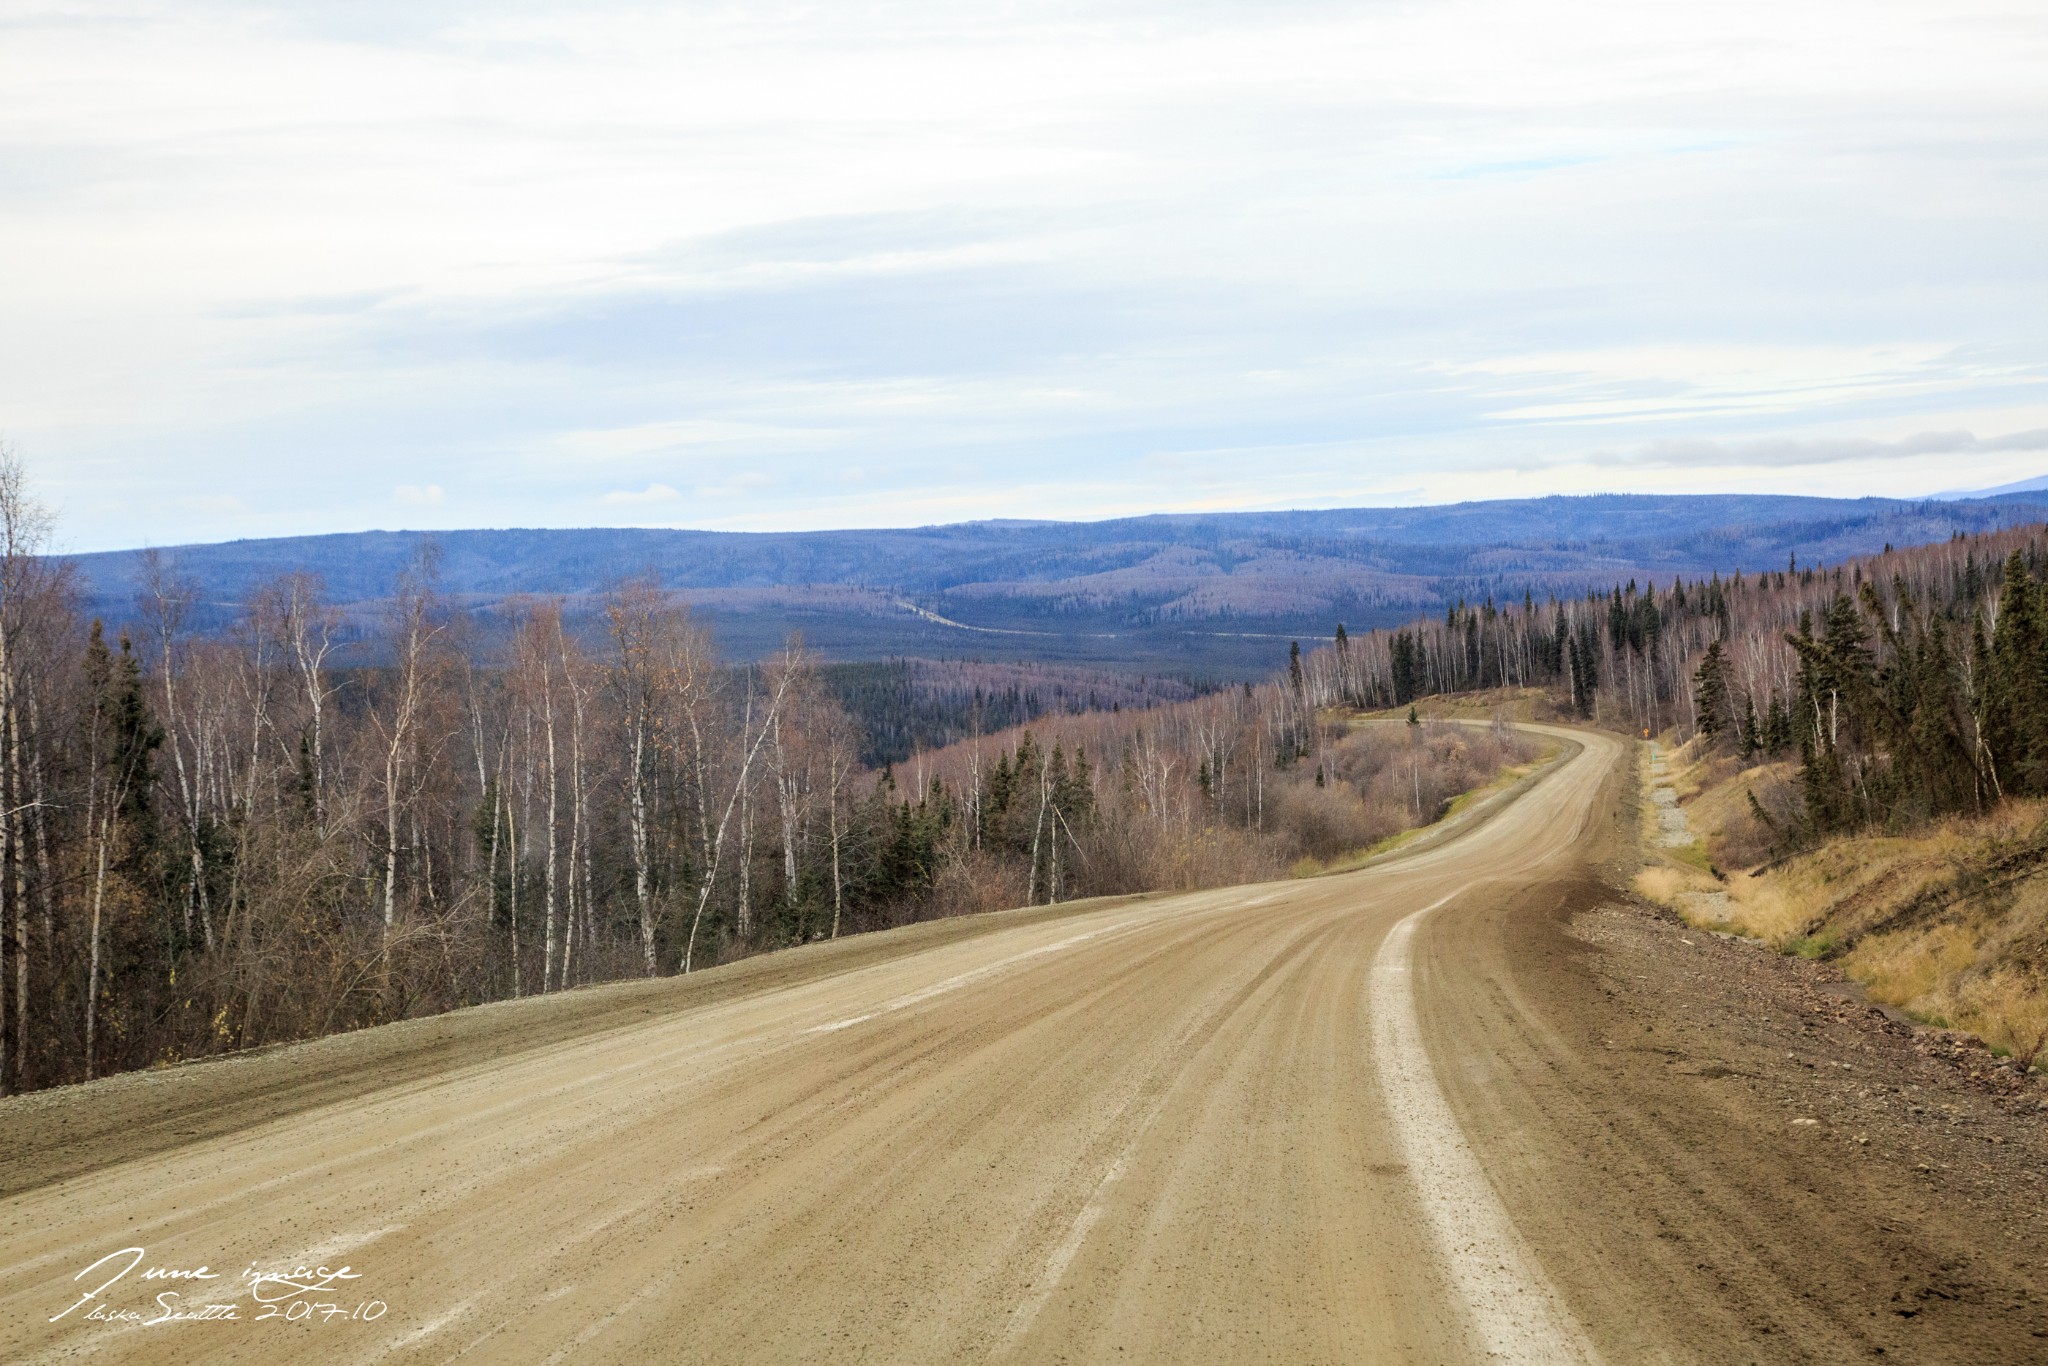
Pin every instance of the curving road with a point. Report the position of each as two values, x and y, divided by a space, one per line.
1221 1126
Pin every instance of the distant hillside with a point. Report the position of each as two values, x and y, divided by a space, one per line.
1212 592
903 706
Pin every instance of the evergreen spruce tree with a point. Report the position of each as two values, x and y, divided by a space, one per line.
1948 779
1077 796
2016 685
1777 727
1710 693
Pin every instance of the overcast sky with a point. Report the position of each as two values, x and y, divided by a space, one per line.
270 269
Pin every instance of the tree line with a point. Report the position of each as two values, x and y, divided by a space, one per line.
1905 685
1916 688
906 705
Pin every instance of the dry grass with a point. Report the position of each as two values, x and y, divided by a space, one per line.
1664 884
1510 704
1769 909
1726 821
1915 970
1920 919
1978 971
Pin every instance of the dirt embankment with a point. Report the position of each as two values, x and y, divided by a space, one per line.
1811 1180
1947 926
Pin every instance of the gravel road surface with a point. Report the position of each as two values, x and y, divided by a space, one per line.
1377 1116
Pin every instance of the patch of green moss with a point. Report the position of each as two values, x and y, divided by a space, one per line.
1815 946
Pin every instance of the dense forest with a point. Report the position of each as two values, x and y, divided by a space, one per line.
1906 684
297 823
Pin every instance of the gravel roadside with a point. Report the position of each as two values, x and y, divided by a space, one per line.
1934 1156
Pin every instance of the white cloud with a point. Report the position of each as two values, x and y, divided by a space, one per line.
685 435
551 253
737 486
1810 451
653 493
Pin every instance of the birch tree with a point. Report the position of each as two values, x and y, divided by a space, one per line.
414 629
753 735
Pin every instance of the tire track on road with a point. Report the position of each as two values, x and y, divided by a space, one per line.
1514 1310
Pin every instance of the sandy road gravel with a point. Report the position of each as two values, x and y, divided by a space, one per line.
1154 1129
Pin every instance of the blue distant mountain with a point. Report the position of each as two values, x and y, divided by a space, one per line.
1204 591
2037 484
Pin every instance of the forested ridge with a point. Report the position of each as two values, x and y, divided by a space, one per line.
1168 594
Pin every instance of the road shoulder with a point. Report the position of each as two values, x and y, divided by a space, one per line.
50 1136
1719 1154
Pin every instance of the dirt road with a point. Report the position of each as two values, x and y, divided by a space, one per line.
1351 1119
